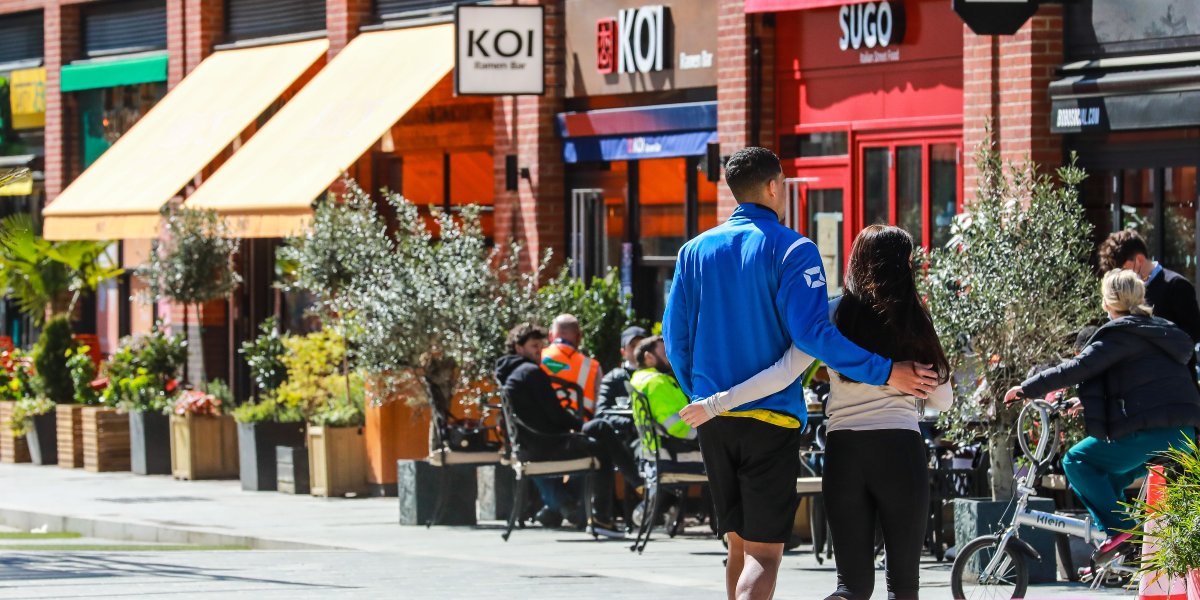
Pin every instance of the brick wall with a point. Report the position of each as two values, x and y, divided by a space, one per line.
535 215
203 27
745 85
1005 81
342 21
62 37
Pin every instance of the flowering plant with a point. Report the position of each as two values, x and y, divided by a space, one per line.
16 375
196 402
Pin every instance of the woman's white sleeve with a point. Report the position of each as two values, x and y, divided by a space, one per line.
941 397
770 380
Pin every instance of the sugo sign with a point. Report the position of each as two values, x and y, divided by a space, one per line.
870 25
500 50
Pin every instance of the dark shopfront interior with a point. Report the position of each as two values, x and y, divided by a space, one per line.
635 215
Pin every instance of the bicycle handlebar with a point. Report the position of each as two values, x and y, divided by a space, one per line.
1047 444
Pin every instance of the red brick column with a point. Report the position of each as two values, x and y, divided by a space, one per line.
1006 81
733 88
342 20
534 215
204 27
62 45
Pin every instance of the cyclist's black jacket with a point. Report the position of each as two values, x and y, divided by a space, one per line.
1132 376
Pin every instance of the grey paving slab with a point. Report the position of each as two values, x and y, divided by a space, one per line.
366 554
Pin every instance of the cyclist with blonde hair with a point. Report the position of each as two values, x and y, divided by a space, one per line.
1138 397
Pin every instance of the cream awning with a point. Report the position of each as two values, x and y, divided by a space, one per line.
120 195
267 189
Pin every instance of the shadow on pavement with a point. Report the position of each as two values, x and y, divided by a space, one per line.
65 565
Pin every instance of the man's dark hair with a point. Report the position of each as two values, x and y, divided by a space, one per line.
1120 248
522 333
646 347
748 170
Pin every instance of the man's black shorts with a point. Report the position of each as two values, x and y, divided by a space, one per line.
752 468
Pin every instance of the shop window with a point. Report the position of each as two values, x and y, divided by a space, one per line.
248 19
662 195
422 179
398 9
943 192
876 185
1179 220
21 37
108 113
824 227
1137 204
124 27
812 145
1100 28
908 191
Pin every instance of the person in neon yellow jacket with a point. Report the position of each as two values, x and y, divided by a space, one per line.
657 382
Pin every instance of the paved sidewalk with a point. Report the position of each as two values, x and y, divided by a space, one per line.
362 531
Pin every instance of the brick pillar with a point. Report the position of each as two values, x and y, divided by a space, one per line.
342 20
204 27
733 88
1006 80
62 45
176 42
534 215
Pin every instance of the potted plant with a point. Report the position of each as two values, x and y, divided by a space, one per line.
192 265
203 438
269 422
18 407
1170 518
425 316
142 378
337 453
1007 294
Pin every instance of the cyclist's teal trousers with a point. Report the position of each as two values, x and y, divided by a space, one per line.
1100 471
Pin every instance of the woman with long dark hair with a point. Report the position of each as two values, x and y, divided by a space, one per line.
875 461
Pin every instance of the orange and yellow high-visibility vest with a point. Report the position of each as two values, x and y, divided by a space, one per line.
562 360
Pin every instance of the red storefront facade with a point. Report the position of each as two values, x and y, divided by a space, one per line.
869 103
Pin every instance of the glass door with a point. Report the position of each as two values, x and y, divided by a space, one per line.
816 208
589 242
914 185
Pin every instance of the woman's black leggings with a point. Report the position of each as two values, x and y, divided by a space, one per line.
876 476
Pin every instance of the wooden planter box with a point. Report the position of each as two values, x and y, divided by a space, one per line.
204 447
105 439
394 431
337 461
13 449
69 419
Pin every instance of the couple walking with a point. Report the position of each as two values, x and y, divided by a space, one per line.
748 312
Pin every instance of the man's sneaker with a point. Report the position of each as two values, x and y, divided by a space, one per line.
549 518
600 527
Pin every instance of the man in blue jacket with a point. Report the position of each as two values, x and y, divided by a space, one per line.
743 293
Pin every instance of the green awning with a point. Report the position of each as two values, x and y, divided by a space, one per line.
111 73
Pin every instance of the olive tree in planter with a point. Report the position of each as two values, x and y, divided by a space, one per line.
1007 293
424 314
192 265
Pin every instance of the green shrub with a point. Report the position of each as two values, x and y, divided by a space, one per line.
143 374
601 307
26 409
50 356
268 410
1176 517
345 405
82 372
264 357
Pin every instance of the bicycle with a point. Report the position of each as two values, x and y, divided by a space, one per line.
994 566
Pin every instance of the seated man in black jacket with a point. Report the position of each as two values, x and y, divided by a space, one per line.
550 432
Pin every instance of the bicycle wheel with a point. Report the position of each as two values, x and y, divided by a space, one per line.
1009 580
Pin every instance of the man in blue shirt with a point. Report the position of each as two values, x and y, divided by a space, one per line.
744 292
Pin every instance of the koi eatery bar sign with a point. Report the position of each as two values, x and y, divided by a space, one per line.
624 46
500 50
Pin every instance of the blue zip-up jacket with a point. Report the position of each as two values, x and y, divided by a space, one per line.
744 292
